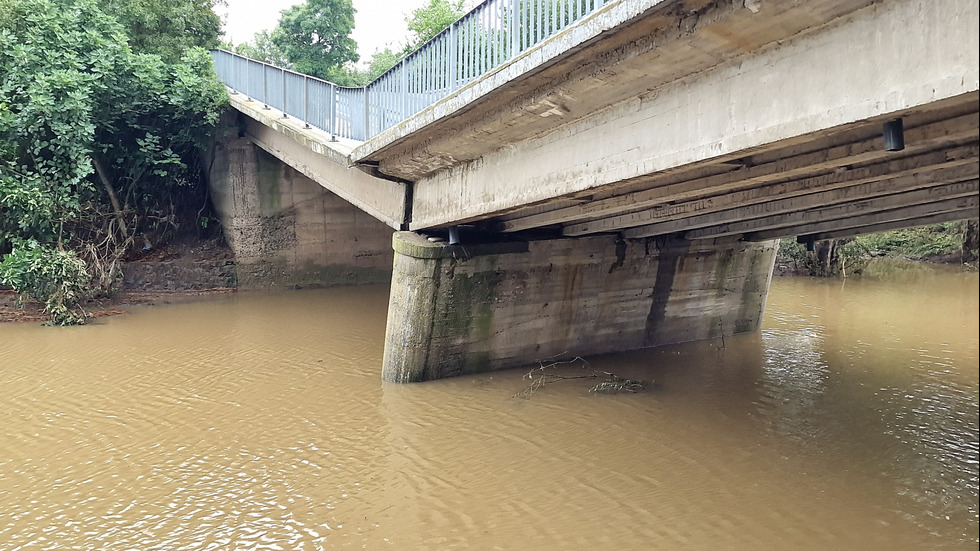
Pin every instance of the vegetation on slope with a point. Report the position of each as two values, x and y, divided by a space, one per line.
947 242
100 145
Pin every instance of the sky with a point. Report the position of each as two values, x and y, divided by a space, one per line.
377 23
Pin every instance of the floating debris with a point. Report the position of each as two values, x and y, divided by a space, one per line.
612 385
615 385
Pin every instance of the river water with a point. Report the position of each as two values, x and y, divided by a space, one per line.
259 421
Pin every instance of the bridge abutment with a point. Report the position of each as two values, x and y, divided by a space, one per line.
461 309
285 229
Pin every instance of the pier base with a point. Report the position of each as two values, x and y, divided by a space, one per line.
461 309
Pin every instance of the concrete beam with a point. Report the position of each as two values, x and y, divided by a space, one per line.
877 227
731 174
840 187
906 216
907 173
578 72
312 152
843 215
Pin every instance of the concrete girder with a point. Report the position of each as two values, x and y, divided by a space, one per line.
944 210
834 188
581 71
932 200
667 190
312 153
879 226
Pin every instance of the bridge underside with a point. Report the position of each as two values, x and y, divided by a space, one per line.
825 185
714 118
620 185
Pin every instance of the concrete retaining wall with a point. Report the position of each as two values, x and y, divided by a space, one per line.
285 229
179 276
465 309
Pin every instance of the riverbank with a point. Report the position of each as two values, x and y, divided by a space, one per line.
181 270
12 312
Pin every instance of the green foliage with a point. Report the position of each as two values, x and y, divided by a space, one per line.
46 274
96 142
25 207
262 48
916 243
154 124
167 28
315 36
381 61
848 256
429 20
50 60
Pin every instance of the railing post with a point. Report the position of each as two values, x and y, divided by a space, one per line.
265 86
306 101
514 28
453 56
403 85
333 113
367 114
284 104
248 80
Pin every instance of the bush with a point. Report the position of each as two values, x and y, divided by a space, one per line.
848 256
46 274
917 243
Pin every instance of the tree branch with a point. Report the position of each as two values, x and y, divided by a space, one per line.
117 209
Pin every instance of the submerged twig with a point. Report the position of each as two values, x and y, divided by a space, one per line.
613 383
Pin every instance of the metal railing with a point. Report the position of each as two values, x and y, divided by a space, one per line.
489 35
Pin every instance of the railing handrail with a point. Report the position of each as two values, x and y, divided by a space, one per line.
487 36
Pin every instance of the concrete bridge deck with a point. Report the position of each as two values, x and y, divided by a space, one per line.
719 122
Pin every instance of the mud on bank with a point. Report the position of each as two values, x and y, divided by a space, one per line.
176 273
11 311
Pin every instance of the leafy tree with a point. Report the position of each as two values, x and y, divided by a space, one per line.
424 23
167 27
429 20
97 144
315 36
381 61
261 48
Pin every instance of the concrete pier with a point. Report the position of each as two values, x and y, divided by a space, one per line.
461 309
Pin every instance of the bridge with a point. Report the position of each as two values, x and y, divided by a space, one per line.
575 177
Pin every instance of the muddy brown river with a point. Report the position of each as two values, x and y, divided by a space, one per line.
259 421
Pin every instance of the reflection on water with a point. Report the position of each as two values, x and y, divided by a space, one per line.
259 421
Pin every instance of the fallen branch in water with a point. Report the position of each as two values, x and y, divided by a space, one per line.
615 385
612 385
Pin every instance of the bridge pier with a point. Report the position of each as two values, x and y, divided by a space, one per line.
469 308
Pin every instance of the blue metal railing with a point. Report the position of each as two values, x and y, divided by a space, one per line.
489 35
